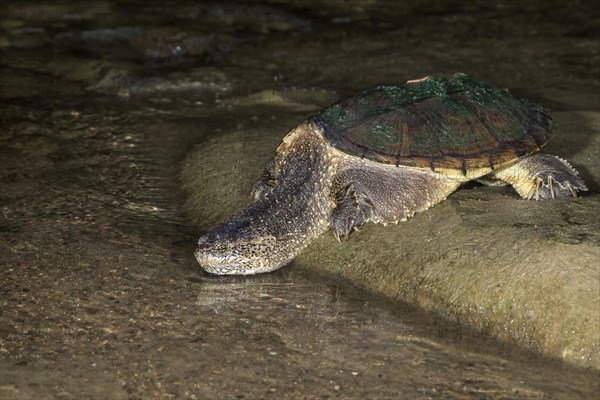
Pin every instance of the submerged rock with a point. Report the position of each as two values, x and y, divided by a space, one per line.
523 271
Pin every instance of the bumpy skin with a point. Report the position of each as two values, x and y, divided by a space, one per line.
542 177
312 186
371 192
382 156
292 208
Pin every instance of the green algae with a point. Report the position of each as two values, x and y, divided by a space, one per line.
438 122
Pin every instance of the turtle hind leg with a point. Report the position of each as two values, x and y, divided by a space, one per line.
384 195
542 176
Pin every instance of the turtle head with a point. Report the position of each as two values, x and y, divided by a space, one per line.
284 218
242 246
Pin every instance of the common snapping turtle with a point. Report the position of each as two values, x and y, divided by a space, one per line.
382 156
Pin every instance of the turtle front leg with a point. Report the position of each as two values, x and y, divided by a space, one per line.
384 195
352 208
542 176
265 184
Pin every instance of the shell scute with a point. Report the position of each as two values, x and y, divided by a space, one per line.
439 123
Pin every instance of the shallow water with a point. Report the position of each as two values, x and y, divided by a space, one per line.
102 103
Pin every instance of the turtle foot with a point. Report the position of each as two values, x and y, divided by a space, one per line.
352 210
543 177
556 184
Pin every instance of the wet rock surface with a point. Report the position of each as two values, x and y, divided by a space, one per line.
129 129
524 271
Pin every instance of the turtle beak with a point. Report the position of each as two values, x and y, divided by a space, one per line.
215 256
216 264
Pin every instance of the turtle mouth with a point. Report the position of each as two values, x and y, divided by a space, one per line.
219 264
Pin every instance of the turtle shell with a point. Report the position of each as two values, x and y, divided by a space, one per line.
456 123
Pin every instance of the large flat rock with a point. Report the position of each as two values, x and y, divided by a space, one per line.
526 272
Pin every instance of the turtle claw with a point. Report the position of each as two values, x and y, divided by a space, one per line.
574 193
337 236
342 226
352 210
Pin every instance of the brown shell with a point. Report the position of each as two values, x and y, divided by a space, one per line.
455 123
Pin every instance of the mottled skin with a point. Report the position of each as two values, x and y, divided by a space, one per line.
313 186
292 208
